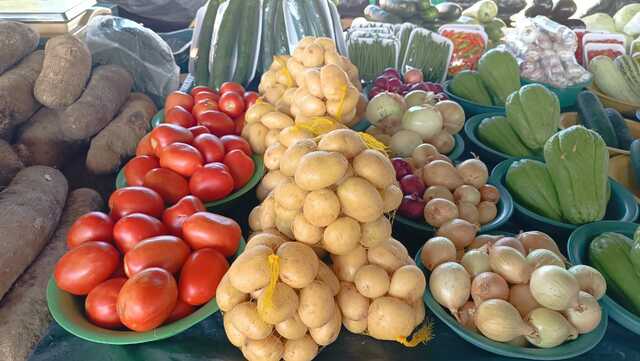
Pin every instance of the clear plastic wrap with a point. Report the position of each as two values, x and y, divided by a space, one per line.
429 52
181 11
147 57
372 53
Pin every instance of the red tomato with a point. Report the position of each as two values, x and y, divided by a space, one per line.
100 304
199 129
138 167
202 106
165 134
250 98
217 122
210 146
90 227
178 98
86 266
179 312
211 183
135 228
232 142
166 252
231 87
119 272
144 146
209 230
129 200
201 275
207 95
174 216
198 89
239 124
181 158
170 185
180 116
241 167
232 103
147 299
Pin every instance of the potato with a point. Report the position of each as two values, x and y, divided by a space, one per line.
326 275
346 266
304 349
292 328
272 156
267 215
257 134
372 281
312 82
375 232
349 118
290 135
320 169
355 326
334 80
327 43
272 137
354 305
236 337
298 264
359 199
245 318
407 283
276 120
306 232
251 271
256 111
390 318
321 207
288 95
268 349
279 62
418 309
348 174
389 254
270 240
375 167
269 182
294 110
345 141
228 296
345 104
332 57
311 106
391 198
284 304
316 304
274 93
313 56
296 69
255 219
291 157
268 79
328 333
289 195
284 219
341 236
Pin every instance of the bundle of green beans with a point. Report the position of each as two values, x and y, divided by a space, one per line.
373 52
427 54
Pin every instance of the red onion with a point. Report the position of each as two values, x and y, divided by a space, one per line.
412 206
412 184
402 167
391 73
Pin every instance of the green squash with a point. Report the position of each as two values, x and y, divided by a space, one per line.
530 184
534 114
578 162
500 73
498 134
468 85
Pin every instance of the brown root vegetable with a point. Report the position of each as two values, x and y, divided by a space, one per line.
467 193
440 211
487 212
441 173
468 212
473 172
10 163
422 153
390 318
489 193
267 349
17 102
26 300
65 71
459 231
441 157
106 91
118 140
443 141
17 40
434 192
30 208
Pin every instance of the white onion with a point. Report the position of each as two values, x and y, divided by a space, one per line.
474 172
588 317
424 120
543 257
437 251
500 321
590 280
555 288
450 285
404 142
489 285
551 328
510 264
385 105
467 315
452 114
476 261
520 297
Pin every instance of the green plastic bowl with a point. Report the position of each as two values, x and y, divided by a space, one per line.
570 349
68 311
470 108
505 210
221 203
578 249
566 96
622 207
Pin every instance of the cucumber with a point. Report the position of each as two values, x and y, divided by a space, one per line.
222 56
269 8
296 22
620 127
248 42
376 13
321 9
204 43
591 114
635 161
280 39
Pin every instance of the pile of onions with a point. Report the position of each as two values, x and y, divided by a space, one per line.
551 328
590 280
450 285
437 251
510 264
500 321
487 286
555 288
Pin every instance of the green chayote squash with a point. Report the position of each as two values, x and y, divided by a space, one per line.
468 85
498 134
534 114
578 162
500 73
530 184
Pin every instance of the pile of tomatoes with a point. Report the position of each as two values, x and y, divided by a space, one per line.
144 265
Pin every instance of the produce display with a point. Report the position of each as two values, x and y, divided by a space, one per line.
606 122
391 81
510 287
559 11
617 78
616 21
484 13
468 46
418 12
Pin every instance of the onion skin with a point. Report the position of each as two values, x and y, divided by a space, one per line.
489 285
468 212
555 288
439 211
467 313
459 231
588 318
450 285
510 264
551 328
422 152
483 239
543 257
441 173
499 321
437 251
487 212
511 242
467 193
590 280
520 297
489 193
435 192
476 261
536 240
452 114
473 172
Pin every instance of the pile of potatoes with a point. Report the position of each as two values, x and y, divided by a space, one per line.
288 316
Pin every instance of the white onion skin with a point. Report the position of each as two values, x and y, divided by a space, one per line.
476 261
536 240
450 285
511 242
588 317
499 321
489 285
590 280
467 315
482 240
543 257
510 264
555 288
474 172
437 251
520 297
551 328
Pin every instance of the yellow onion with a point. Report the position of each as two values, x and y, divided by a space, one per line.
450 285
543 257
520 297
590 280
437 251
539 240
511 242
467 315
483 239
588 317
488 285
476 261
519 341
498 320
551 328
510 264
555 288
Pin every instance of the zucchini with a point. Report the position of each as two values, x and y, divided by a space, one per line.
376 13
280 39
635 161
223 51
294 18
269 8
620 127
248 42
204 43
591 114
400 8
321 9
448 11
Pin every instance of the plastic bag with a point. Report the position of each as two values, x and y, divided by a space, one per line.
372 54
177 11
633 26
147 57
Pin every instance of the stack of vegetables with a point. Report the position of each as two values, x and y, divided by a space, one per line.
469 43
568 187
336 195
513 289
391 81
608 123
421 13
625 21
619 78
559 11
484 13
532 116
